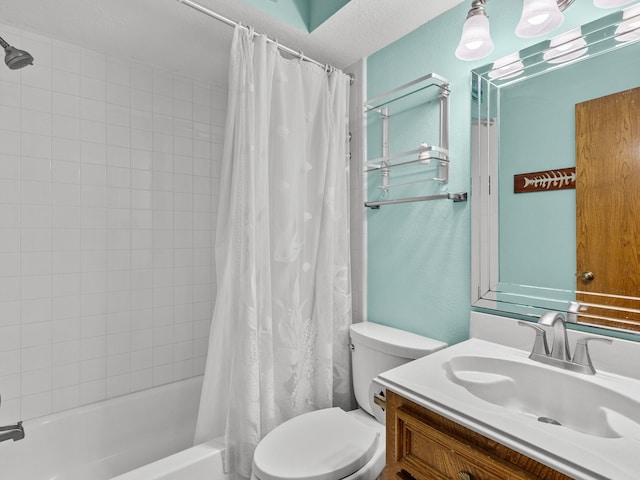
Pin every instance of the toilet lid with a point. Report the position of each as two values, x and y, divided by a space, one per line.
326 444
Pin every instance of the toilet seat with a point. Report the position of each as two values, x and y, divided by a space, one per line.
326 444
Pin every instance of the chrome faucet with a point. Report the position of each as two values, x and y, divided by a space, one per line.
560 346
12 432
560 355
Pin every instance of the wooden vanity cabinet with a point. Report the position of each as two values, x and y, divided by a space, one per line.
423 445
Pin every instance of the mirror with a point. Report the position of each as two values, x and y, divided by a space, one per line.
556 177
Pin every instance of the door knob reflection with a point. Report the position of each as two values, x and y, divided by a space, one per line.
586 277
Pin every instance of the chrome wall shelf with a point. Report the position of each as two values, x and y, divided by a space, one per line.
456 197
419 90
435 158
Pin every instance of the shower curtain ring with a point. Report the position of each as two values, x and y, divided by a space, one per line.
300 56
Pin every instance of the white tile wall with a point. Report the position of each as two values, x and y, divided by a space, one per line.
108 181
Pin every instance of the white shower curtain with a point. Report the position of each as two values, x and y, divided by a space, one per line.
279 337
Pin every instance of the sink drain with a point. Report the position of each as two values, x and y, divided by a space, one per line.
548 420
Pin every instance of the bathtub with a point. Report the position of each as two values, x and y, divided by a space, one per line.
114 438
201 462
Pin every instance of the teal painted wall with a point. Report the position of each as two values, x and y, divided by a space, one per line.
294 12
419 253
320 11
307 15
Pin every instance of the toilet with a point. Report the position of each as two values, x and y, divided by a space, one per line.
331 444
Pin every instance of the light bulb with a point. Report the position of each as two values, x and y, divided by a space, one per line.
568 46
538 17
507 67
475 41
629 28
610 3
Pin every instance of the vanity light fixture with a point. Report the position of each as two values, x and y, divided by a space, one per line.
507 67
538 17
629 29
566 47
610 3
476 39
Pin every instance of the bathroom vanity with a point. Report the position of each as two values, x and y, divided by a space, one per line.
482 409
424 445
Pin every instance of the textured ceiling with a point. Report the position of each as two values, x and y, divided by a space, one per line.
168 34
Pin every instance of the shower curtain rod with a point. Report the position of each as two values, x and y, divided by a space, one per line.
217 16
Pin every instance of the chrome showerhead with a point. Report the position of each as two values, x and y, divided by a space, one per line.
14 57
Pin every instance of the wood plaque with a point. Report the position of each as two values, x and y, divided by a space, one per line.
557 179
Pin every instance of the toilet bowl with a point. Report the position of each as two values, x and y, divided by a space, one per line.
331 444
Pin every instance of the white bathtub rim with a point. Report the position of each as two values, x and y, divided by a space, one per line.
210 451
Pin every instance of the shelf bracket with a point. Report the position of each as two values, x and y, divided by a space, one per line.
443 169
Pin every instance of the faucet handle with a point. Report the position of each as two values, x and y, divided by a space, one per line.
581 355
540 345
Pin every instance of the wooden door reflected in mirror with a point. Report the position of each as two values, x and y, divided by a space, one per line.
608 209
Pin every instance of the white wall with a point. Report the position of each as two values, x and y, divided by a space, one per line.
108 183
357 98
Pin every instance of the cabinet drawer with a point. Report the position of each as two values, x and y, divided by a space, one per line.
422 445
421 449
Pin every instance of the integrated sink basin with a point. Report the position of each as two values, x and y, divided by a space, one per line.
490 386
582 403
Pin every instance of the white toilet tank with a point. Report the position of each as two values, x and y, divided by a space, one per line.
377 348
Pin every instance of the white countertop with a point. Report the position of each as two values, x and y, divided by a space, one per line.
579 455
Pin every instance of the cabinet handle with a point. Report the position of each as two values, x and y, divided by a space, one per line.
464 476
404 475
